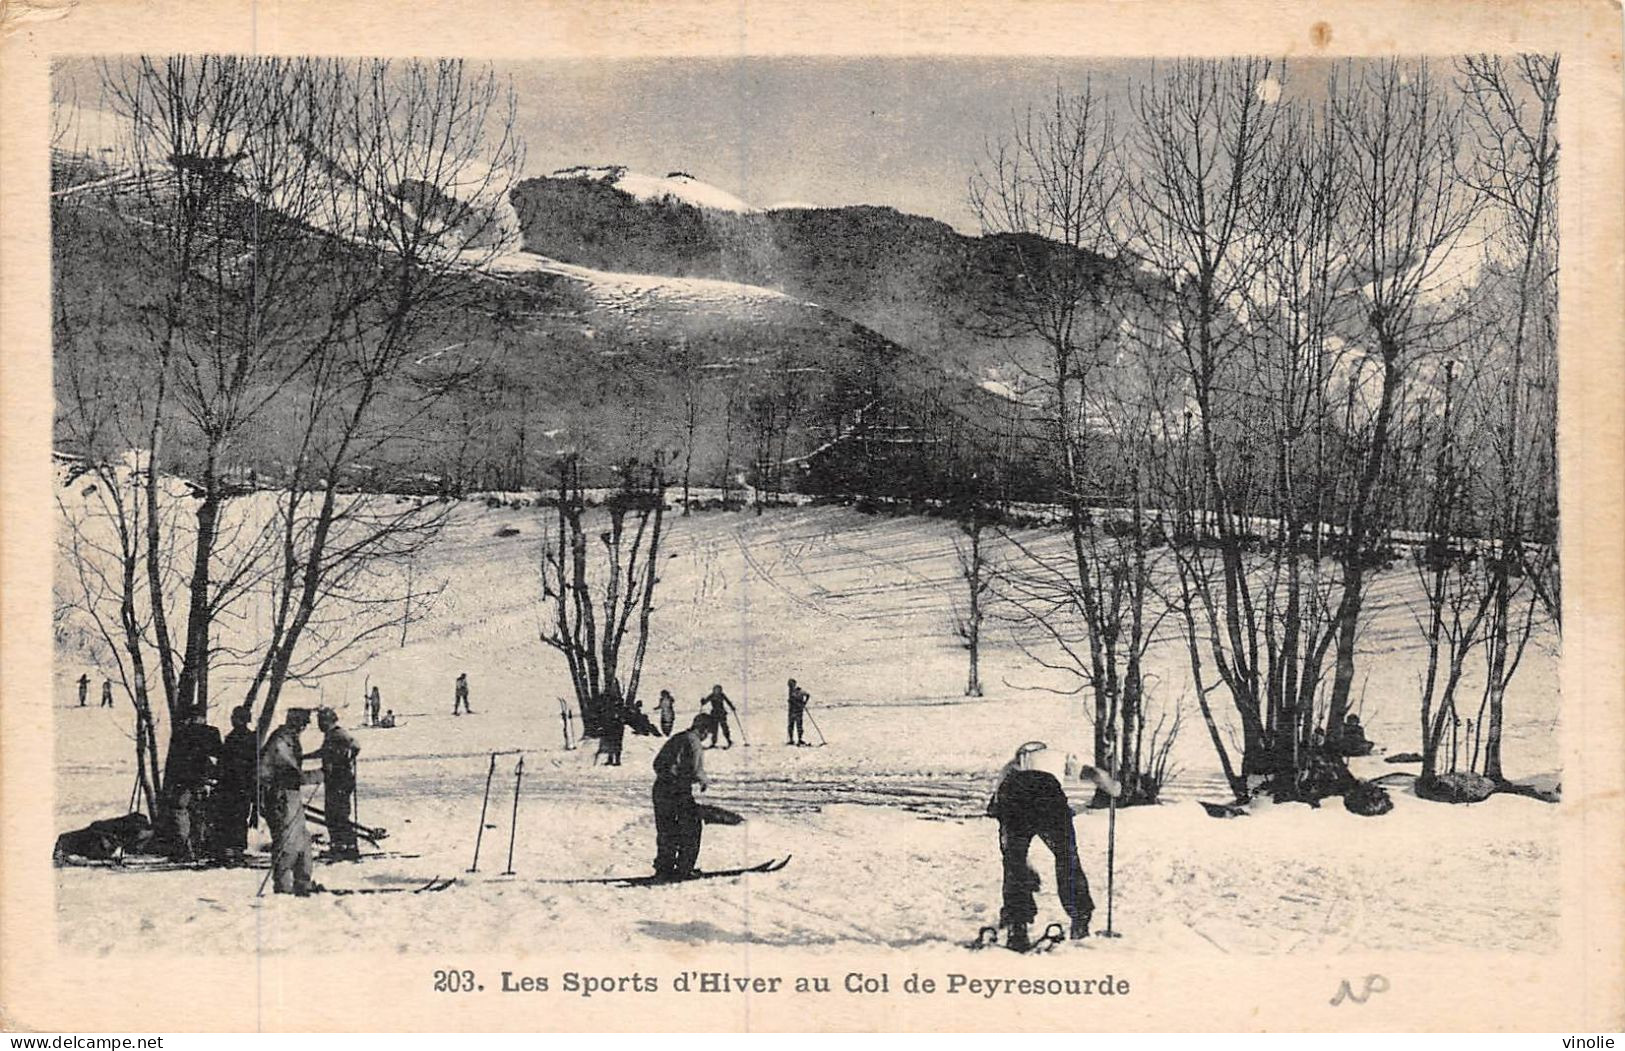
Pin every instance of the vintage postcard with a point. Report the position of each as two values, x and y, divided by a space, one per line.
907 517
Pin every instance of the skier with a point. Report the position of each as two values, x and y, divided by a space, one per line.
234 792
720 706
612 732
107 693
679 766
281 776
797 710
1349 739
84 688
194 748
1030 802
375 702
667 707
460 698
338 779
387 722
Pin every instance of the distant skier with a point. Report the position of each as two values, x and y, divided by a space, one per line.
281 778
84 688
796 713
611 730
460 697
375 702
107 693
720 706
234 792
1030 802
679 766
666 707
388 720
339 752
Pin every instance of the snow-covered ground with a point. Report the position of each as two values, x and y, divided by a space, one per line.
889 849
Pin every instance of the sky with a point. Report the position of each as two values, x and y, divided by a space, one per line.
901 132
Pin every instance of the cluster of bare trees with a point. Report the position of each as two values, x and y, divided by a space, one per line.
1281 321
260 259
600 597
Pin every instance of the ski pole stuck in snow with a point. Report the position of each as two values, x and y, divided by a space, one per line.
513 828
816 729
564 720
480 832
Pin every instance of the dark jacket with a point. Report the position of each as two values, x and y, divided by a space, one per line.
193 749
338 758
678 765
1030 799
237 762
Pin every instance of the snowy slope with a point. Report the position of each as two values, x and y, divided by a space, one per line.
674 186
890 852
630 293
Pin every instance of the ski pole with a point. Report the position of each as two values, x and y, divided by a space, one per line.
140 742
483 804
513 829
821 739
1111 860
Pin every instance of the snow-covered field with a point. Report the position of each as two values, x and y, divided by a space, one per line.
889 850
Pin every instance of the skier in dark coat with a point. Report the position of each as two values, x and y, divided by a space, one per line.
84 688
339 751
611 730
667 709
1029 803
796 713
234 793
194 748
107 693
679 766
459 699
720 706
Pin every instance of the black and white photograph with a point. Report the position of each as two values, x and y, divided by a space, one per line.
997 514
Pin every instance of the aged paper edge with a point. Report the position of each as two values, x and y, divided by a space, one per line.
1579 985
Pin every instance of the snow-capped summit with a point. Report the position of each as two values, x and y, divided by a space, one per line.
675 186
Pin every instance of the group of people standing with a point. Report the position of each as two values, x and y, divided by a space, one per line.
84 692
680 767
214 787
617 716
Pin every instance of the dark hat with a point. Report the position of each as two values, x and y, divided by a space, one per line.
298 715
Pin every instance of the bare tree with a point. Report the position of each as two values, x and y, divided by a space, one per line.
306 225
1407 212
1051 190
1204 148
601 604
1513 105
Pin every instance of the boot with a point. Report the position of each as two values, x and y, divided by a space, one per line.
1016 939
1080 928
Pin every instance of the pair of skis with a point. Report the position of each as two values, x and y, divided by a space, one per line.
430 887
771 865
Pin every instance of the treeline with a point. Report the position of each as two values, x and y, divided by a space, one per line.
1333 318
